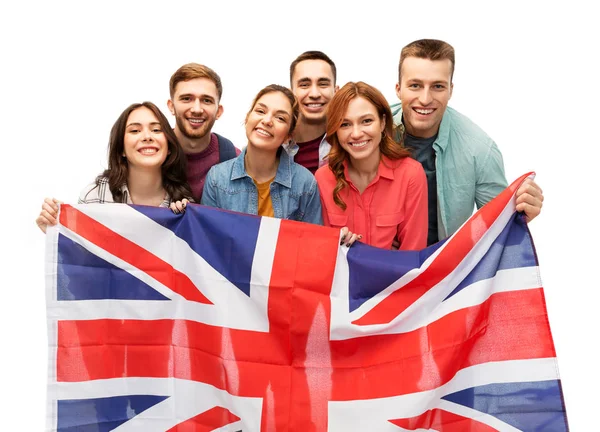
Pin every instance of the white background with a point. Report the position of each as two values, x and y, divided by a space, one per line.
526 72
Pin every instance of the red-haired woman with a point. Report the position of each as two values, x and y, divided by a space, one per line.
371 186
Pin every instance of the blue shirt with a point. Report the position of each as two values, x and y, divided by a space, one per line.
294 191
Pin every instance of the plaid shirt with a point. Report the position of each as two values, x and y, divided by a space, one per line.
100 194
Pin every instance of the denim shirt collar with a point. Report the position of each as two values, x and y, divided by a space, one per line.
284 170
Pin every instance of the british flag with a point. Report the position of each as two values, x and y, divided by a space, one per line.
214 320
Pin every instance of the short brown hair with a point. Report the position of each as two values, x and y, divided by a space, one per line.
431 49
192 71
312 55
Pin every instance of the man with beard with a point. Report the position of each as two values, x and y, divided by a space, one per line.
196 91
312 79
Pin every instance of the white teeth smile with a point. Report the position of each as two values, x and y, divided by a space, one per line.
263 132
424 111
148 151
359 144
315 105
196 121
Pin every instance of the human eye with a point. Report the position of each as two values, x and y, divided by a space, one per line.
368 121
207 101
156 129
439 86
133 130
282 119
344 124
413 86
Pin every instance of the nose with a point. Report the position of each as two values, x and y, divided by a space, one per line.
425 96
197 107
267 120
356 132
314 92
146 134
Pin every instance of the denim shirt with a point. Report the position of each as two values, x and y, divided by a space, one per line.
469 169
294 191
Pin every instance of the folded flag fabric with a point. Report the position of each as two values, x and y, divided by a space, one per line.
214 320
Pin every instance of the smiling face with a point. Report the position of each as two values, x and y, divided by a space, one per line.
313 85
360 131
268 123
425 88
144 144
195 105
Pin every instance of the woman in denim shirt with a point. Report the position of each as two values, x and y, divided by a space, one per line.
263 180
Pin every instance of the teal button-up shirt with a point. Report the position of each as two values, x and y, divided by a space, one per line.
469 169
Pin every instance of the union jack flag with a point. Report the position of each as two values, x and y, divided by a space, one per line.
214 320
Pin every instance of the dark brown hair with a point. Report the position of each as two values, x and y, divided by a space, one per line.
287 93
192 71
431 49
336 111
173 169
312 55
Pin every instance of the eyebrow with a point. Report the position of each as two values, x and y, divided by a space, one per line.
361 117
420 81
199 96
307 79
139 124
276 112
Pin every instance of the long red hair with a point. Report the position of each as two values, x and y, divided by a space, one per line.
336 111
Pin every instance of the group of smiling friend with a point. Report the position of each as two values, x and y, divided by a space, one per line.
403 176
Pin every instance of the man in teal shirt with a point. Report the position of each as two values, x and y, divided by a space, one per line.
463 164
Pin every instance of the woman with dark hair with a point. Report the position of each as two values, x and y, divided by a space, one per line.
263 180
146 165
371 186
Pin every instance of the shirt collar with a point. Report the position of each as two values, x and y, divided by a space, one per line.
239 170
385 169
284 170
165 203
443 133
292 146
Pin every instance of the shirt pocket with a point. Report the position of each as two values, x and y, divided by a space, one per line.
389 220
386 228
337 220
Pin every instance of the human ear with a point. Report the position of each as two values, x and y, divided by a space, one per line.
219 111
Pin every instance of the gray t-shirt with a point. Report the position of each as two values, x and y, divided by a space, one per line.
422 151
